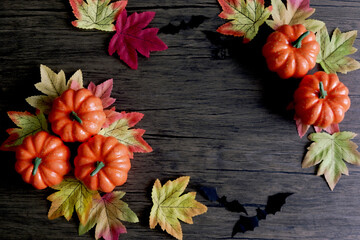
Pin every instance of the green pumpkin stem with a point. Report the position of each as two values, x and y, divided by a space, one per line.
297 42
99 166
323 93
37 162
75 117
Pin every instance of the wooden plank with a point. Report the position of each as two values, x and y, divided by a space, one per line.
212 111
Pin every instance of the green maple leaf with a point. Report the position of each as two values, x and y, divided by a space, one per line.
245 17
169 206
52 85
332 56
96 14
297 12
122 130
107 213
329 151
72 194
28 125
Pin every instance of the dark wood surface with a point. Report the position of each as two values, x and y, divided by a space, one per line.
212 111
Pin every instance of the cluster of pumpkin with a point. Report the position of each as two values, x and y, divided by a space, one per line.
102 163
321 99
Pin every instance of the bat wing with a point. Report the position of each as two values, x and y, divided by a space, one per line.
209 193
245 224
275 202
233 206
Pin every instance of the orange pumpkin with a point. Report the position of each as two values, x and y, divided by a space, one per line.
291 51
77 115
102 163
321 100
42 160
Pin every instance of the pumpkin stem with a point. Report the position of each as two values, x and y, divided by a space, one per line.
297 42
37 162
323 93
99 166
75 117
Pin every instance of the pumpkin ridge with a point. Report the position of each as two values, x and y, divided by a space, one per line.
77 104
44 175
104 176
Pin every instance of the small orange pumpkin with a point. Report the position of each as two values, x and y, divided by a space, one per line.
77 115
321 100
102 163
291 51
42 160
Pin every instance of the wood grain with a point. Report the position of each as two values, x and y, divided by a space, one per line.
212 111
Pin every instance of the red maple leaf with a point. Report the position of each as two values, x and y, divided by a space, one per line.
303 128
131 36
103 91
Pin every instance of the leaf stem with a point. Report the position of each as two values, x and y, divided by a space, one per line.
99 166
297 43
323 93
37 162
75 117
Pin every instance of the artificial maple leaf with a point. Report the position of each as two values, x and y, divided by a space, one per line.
28 125
111 117
329 151
103 91
106 213
332 55
297 12
96 14
129 137
76 80
52 85
131 37
72 194
169 206
245 17
303 128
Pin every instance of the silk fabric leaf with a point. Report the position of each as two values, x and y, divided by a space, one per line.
96 14
333 53
72 194
169 207
107 213
131 37
245 17
303 128
28 125
52 85
41 102
329 151
132 138
76 80
111 117
103 91
297 12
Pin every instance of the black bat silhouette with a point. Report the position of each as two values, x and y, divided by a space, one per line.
274 204
194 22
233 206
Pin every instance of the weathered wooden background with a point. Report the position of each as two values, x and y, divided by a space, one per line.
212 111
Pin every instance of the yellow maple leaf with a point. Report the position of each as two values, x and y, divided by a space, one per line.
52 85
72 194
169 206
